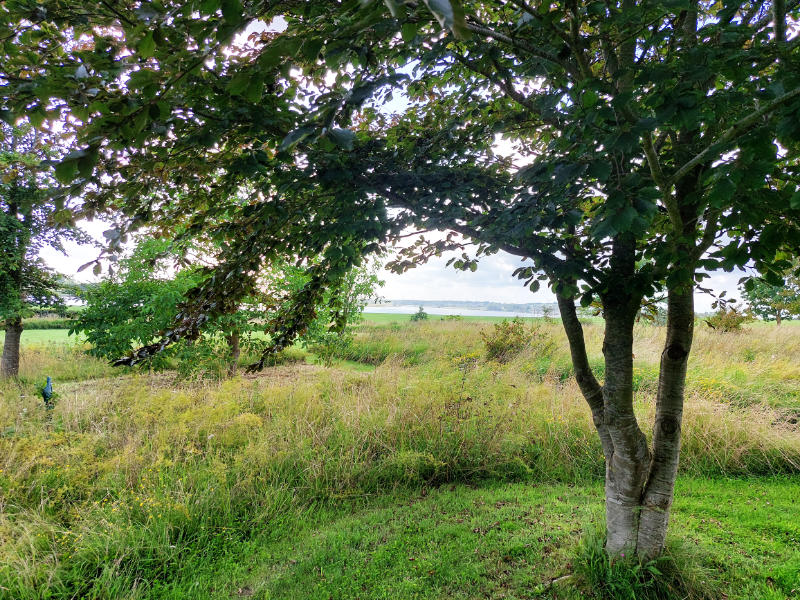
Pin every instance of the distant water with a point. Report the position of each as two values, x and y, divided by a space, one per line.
436 310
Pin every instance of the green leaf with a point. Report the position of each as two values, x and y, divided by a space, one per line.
87 162
395 9
600 170
254 90
408 32
239 83
343 138
722 191
209 7
271 56
66 171
450 15
794 203
311 48
295 137
232 11
147 47
37 117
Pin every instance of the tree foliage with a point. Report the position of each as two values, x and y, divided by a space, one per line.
30 219
774 302
135 305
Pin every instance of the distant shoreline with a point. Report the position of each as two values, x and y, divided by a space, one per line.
464 308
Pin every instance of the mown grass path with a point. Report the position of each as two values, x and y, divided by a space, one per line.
739 538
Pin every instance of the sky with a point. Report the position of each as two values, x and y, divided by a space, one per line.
432 281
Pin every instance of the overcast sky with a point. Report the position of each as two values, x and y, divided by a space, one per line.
432 281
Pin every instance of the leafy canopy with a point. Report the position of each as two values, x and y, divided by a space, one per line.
659 138
774 302
30 219
135 305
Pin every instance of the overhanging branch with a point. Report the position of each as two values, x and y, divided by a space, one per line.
737 129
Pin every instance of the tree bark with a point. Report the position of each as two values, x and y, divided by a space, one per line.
778 319
9 365
233 344
626 472
658 494
590 388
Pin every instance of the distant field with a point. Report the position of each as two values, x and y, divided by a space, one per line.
33 337
398 318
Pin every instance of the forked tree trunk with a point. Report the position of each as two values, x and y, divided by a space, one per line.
639 485
9 365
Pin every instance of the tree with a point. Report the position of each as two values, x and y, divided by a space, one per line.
774 302
138 302
661 142
30 218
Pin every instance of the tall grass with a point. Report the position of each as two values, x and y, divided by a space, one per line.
130 475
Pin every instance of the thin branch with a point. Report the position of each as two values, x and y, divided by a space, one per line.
710 233
737 129
661 181
502 37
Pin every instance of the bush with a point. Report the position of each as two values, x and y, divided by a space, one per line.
420 315
728 320
506 340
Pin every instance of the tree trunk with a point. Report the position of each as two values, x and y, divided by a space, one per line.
9 365
778 318
626 472
639 486
233 344
658 494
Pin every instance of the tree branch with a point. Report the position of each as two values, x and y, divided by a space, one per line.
587 382
502 37
661 181
737 129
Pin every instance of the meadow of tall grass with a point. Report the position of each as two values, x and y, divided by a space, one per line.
134 477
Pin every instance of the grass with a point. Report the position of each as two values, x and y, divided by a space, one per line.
33 337
415 468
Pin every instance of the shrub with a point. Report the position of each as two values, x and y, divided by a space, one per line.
420 315
728 320
506 340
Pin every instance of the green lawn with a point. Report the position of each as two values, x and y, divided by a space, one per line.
35 337
740 539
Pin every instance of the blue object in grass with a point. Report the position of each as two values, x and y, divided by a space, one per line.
47 393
